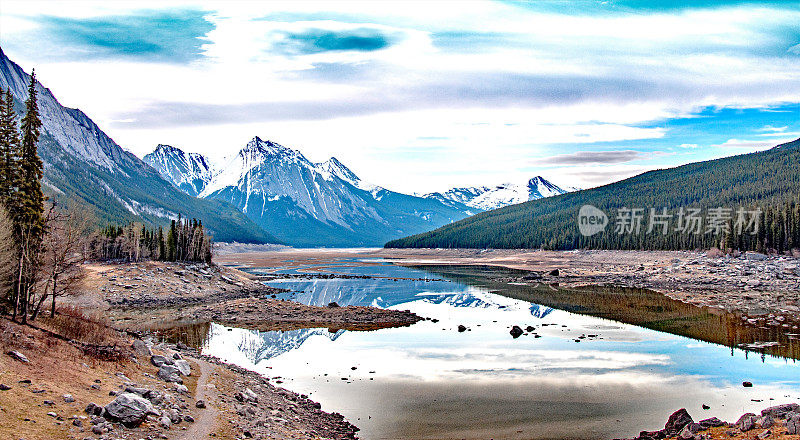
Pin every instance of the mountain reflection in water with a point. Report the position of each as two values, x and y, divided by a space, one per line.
651 355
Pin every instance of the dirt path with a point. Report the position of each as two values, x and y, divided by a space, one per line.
203 426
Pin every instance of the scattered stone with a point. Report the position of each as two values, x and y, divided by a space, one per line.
333 305
165 422
747 384
200 403
18 356
187 418
181 389
4 387
68 398
713 422
516 331
77 422
462 328
554 273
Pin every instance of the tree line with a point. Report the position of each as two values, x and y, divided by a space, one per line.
767 181
185 240
43 244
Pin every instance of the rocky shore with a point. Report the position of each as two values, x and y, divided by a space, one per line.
775 422
136 295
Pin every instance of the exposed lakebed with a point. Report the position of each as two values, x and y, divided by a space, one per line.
606 363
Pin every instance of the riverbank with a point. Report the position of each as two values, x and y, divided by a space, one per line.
765 288
52 388
60 378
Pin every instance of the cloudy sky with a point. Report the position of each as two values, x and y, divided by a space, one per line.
421 96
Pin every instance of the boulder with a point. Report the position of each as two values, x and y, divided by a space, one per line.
767 422
183 367
200 404
169 373
677 421
68 398
516 331
793 424
462 328
158 360
755 256
746 422
165 422
140 348
129 409
713 422
780 411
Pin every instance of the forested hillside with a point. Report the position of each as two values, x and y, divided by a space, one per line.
768 180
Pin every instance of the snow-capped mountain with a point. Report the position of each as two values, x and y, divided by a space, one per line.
190 172
310 204
486 198
83 164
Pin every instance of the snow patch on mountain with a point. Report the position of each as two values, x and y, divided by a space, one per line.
486 198
190 172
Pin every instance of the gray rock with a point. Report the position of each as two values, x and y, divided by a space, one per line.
181 389
165 422
169 373
746 422
189 419
77 422
68 398
793 424
4 387
140 348
158 360
677 421
129 409
184 367
767 422
200 403
93 409
18 356
780 411
755 256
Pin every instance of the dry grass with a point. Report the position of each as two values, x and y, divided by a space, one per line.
59 367
72 323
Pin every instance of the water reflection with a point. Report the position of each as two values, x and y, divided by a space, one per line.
430 381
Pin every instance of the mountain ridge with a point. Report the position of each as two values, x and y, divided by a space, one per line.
83 164
304 203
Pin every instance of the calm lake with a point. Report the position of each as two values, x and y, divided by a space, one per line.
596 364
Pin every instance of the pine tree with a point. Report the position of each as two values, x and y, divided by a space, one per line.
29 219
9 152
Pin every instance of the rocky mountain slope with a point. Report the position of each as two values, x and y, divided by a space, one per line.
84 164
304 203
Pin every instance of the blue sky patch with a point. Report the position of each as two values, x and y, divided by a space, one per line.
162 36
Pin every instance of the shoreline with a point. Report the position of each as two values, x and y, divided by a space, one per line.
765 288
